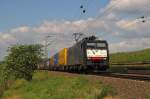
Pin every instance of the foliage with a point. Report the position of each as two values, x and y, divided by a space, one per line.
1 62
47 85
22 60
5 78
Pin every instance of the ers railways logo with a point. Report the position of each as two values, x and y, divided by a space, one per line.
96 53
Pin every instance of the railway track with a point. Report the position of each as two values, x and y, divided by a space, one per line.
140 77
132 76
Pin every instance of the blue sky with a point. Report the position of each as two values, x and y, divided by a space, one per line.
31 12
30 21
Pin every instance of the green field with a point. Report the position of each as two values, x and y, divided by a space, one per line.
131 57
121 62
52 86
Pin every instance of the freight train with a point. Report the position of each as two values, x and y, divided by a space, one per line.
89 54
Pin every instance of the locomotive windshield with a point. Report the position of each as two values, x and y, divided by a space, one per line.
99 44
91 44
97 51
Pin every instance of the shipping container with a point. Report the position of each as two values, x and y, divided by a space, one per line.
56 59
62 57
52 61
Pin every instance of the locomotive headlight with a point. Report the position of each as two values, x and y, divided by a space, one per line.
105 58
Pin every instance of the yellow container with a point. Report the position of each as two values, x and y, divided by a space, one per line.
62 57
51 61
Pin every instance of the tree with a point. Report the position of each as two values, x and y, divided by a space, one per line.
22 60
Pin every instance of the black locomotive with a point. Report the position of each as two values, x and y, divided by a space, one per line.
87 54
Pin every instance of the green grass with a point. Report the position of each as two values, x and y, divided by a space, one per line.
1 80
130 57
127 58
4 83
49 86
1 74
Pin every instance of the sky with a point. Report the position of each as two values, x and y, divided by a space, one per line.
31 12
117 21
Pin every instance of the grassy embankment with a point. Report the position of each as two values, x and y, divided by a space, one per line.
52 86
133 58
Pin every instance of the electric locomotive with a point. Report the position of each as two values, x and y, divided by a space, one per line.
88 54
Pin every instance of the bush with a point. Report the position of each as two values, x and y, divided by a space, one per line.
22 60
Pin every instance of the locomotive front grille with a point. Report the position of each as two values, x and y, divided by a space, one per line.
100 63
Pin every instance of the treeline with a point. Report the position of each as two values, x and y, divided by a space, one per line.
20 62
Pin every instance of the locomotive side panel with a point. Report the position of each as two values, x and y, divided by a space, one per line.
75 55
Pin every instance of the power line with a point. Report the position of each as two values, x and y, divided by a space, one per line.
104 12
108 9
137 20
83 10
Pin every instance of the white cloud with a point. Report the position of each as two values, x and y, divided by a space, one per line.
21 29
69 26
6 37
130 45
6 40
128 6
127 24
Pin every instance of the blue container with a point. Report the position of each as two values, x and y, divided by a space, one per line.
56 59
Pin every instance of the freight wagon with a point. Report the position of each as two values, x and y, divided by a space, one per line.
88 54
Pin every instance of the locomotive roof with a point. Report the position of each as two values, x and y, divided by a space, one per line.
91 38
88 39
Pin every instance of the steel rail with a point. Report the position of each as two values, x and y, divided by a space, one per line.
124 76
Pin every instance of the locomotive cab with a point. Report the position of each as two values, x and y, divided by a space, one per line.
97 54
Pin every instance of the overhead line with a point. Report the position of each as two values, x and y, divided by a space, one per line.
108 9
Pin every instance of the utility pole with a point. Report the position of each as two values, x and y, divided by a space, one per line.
46 44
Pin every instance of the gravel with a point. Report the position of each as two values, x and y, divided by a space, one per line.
127 89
